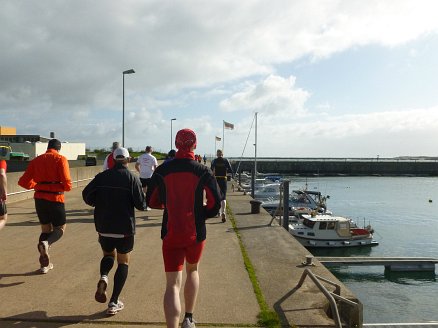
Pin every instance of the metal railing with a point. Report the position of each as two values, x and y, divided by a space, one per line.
331 296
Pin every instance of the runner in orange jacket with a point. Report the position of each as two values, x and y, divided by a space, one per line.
49 175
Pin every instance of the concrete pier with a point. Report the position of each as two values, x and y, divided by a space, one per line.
65 296
341 166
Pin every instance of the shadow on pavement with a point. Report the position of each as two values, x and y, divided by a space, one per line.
7 275
79 212
23 223
39 319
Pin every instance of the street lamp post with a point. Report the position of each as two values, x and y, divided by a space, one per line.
171 143
129 71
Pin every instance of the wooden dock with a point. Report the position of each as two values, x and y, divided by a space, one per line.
390 263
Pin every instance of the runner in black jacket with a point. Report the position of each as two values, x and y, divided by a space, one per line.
221 167
114 193
180 187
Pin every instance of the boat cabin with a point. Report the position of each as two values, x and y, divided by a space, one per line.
325 226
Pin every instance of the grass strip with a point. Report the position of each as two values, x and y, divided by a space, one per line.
267 317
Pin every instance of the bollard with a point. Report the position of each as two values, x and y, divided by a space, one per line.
286 204
309 259
255 206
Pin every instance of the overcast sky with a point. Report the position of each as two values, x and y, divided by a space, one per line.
327 78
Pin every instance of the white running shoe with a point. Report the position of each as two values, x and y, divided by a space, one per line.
188 324
113 308
44 270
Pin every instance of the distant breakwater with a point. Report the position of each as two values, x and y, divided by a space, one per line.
338 166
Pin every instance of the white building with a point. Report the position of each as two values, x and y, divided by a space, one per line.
34 145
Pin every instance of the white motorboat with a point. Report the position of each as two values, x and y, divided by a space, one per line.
266 191
330 231
258 184
300 202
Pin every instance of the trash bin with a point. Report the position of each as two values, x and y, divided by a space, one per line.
255 206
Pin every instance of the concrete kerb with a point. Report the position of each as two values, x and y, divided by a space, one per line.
267 317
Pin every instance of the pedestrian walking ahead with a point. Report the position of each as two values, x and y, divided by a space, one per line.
221 167
114 193
179 187
49 175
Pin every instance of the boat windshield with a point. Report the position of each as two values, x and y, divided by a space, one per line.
308 223
327 225
300 198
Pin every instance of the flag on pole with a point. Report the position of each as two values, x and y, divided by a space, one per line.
218 139
228 126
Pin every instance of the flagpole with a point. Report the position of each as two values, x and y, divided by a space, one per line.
255 146
223 135
215 142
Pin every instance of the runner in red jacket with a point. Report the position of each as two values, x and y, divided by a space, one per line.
3 196
180 187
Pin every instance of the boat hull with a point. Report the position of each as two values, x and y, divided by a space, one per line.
335 243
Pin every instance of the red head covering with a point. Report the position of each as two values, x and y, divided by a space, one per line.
185 139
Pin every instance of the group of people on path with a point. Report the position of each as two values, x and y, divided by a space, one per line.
187 192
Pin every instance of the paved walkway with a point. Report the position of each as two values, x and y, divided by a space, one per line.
65 296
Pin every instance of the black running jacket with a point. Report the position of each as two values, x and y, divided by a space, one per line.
114 193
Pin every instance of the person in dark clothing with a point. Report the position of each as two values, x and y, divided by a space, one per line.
181 187
221 167
114 193
170 156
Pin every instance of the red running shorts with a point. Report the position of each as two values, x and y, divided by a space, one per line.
174 256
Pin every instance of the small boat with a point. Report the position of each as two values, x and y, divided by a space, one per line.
266 191
258 184
274 177
300 202
329 231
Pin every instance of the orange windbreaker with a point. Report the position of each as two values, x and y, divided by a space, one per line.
49 175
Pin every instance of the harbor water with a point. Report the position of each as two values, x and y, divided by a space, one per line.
404 214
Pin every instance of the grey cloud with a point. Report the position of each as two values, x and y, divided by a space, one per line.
63 57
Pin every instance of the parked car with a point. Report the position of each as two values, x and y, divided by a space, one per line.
91 161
